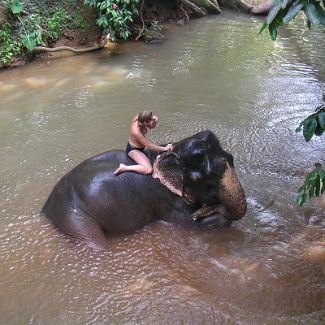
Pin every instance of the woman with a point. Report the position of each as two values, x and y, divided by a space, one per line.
138 142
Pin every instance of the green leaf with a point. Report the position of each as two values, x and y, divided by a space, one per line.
103 5
39 39
321 119
273 32
273 12
317 186
298 129
29 41
311 192
315 13
284 3
314 185
309 128
322 174
301 189
293 11
308 24
16 7
299 200
318 167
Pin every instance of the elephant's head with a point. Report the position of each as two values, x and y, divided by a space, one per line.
199 170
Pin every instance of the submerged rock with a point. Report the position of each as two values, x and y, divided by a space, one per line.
152 36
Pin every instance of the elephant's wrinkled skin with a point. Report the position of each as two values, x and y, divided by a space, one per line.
196 183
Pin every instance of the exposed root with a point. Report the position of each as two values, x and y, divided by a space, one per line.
243 6
260 9
102 44
198 10
214 4
185 13
143 24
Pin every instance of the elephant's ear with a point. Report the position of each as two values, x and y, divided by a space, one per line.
167 169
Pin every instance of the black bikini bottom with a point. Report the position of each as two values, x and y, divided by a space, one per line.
130 147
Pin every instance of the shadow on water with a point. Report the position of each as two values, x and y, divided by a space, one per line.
213 74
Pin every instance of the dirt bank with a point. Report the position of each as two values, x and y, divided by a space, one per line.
71 26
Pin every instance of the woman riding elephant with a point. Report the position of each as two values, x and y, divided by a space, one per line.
195 183
138 142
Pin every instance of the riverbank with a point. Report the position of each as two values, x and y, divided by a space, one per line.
36 29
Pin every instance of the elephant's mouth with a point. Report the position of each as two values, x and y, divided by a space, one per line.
214 220
211 215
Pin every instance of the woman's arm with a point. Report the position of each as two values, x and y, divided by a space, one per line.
149 145
154 147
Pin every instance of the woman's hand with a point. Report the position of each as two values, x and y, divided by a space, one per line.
168 147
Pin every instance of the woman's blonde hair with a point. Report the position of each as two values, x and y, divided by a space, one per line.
144 117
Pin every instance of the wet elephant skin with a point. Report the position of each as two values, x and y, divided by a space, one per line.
90 202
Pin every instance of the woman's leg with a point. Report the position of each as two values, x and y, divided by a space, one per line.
143 164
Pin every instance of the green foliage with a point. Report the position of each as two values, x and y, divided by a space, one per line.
283 11
314 124
31 36
33 23
156 25
60 20
55 23
16 7
31 39
9 47
313 186
114 16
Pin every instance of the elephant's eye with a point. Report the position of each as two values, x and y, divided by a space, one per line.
198 153
197 157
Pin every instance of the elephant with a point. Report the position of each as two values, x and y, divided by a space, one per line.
194 184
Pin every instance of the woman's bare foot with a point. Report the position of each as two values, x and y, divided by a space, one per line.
122 168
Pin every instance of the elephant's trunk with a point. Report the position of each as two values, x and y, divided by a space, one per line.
232 194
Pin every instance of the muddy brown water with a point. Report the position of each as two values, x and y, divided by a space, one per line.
213 74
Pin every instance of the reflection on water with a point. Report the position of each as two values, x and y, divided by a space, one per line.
213 74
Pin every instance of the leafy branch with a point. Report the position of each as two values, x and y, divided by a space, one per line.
313 186
29 39
314 124
114 16
283 11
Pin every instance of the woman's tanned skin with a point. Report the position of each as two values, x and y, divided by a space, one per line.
137 139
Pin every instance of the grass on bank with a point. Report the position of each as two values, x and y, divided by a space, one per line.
35 23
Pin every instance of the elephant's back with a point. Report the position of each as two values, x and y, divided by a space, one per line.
66 193
113 156
117 157
91 188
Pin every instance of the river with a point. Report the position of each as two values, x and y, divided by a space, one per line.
214 73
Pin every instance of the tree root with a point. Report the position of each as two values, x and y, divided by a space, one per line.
214 4
243 6
67 48
198 10
260 9
143 24
185 13
96 47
